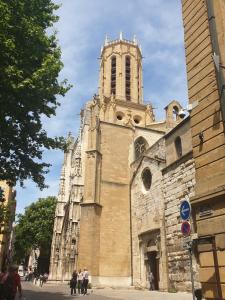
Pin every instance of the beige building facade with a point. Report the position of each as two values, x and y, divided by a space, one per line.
93 222
204 28
8 204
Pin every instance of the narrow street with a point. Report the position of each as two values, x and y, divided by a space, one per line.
61 292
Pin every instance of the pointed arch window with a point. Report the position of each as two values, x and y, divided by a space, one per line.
178 146
113 75
146 178
140 146
175 113
127 80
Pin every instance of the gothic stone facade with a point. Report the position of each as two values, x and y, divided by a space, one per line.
147 214
92 224
158 245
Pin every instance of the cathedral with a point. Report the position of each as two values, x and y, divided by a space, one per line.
125 176
93 224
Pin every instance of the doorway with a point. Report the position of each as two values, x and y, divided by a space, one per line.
153 266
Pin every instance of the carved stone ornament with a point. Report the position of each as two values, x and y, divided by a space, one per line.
113 101
90 154
128 120
78 167
149 112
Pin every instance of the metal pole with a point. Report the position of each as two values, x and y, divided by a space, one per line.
192 275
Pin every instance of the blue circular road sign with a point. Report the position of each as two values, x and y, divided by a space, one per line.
185 210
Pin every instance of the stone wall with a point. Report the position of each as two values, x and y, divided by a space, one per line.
178 184
147 213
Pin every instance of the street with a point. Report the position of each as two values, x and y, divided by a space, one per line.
61 291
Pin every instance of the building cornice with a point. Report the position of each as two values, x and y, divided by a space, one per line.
94 151
218 192
131 104
178 162
91 204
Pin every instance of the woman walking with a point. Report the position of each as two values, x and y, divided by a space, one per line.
80 282
73 283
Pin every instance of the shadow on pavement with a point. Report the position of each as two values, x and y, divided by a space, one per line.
31 294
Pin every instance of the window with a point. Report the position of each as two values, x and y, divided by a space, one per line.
140 145
146 177
119 115
178 146
127 80
175 113
137 119
113 75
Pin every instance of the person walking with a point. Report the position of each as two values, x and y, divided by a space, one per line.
80 282
151 281
11 284
73 283
85 280
41 278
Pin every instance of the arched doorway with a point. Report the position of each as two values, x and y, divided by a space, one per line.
153 265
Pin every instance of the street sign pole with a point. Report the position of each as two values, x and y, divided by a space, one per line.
185 214
191 271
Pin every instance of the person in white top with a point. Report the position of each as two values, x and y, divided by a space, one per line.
80 282
85 280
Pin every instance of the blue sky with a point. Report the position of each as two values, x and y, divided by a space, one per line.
81 30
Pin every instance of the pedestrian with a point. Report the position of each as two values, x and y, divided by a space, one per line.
26 275
73 283
36 276
151 281
45 277
11 284
80 282
85 280
41 278
30 273
198 294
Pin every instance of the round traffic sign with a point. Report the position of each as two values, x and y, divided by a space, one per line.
185 210
186 228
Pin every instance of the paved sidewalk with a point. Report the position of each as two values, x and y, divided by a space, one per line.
60 291
133 294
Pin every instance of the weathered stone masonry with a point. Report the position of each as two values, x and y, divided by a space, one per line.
178 184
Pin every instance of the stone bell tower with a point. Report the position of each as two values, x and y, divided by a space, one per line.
117 119
121 70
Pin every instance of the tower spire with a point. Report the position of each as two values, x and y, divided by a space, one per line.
106 40
121 35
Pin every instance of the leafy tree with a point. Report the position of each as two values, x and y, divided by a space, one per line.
34 229
29 67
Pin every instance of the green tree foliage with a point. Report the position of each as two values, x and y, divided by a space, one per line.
29 67
34 228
